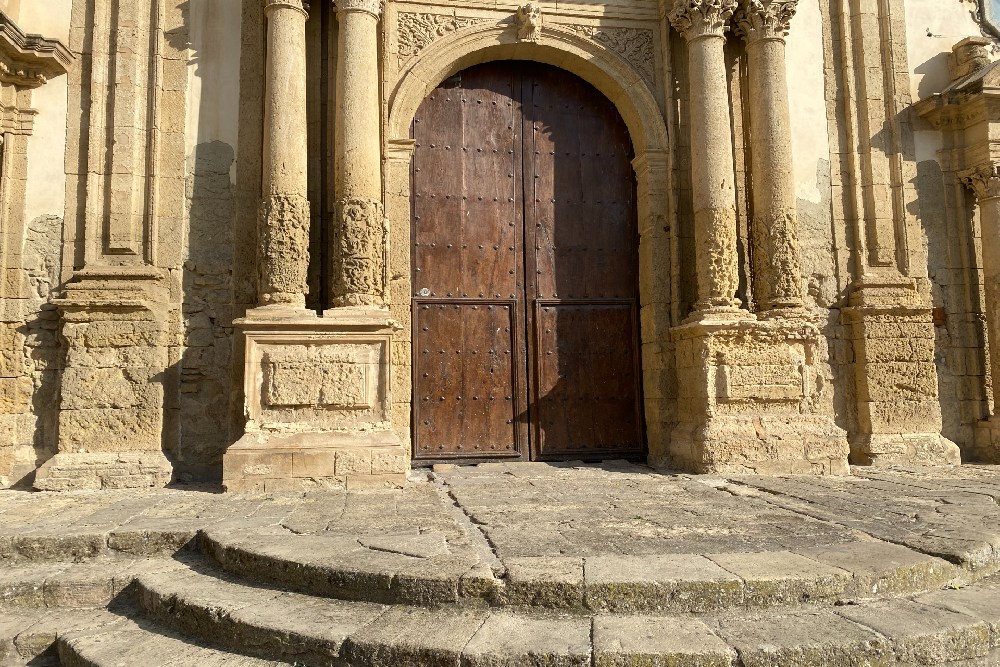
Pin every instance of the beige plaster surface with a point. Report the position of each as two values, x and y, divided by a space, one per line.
810 140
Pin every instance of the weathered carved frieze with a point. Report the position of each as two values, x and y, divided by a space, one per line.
418 31
764 19
359 253
702 18
284 249
984 180
635 45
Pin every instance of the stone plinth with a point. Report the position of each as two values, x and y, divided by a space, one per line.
750 401
317 403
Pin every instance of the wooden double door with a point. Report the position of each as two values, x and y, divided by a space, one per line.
525 263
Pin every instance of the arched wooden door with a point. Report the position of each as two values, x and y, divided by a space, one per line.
525 270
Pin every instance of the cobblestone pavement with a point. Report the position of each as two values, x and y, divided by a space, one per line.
611 564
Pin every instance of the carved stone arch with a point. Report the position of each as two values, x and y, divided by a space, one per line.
620 82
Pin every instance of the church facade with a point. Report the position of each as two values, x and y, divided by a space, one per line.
285 245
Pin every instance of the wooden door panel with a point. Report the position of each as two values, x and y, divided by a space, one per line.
465 389
586 375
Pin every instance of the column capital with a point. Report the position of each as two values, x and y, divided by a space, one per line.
373 7
696 19
984 180
758 20
295 5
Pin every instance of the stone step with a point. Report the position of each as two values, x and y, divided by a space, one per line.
942 627
28 636
399 573
91 583
131 643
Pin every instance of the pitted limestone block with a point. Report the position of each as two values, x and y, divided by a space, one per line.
764 382
111 429
88 388
390 462
15 395
897 381
120 333
877 350
354 462
343 376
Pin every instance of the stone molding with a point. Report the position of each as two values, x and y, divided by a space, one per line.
696 19
29 60
373 7
636 45
296 5
359 253
984 180
758 20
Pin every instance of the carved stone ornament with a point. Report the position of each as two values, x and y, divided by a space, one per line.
29 60
984 180
284 249
529 22
633 44
764 19
702 18
359 253
418 31
373 7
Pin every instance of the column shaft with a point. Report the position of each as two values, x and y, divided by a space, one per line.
703 24
358 272
775 229
284 228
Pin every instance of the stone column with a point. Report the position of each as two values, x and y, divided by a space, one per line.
985 182
703 24
284 228
359 235
764 25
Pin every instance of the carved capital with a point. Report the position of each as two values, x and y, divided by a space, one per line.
984 180
373 7
359 253
758 20
300 6
695 19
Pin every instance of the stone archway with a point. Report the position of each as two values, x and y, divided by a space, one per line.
615 78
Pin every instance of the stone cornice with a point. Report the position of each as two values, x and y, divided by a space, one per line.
984 180
373 7
29 60
758 20
696 19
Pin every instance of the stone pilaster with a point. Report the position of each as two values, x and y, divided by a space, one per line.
985 182
284 216
764 24
703 24
358 275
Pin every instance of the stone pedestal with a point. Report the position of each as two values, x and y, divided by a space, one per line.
899 415
751 401
116 342
317 404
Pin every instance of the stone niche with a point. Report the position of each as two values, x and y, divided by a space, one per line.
753 400
317 406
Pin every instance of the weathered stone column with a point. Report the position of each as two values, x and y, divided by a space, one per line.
284 218
703 24
985 182
359 236
764 24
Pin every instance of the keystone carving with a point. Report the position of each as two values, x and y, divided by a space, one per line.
529 22
373 7
634 45
284 249
764 19
984 180
702 18
418 31
359 253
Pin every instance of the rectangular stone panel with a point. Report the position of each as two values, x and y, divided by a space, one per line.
765 382
340 376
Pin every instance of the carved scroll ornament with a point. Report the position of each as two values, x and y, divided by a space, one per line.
418 31
764 19
635 45
702 18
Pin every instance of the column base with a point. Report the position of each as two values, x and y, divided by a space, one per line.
318 404
881 449
94 471
752 400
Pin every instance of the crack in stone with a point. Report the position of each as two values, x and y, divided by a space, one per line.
481 541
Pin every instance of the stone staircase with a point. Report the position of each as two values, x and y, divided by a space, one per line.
229 599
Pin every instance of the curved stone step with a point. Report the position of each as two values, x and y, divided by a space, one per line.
942 627
129 643
28 636
342 568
